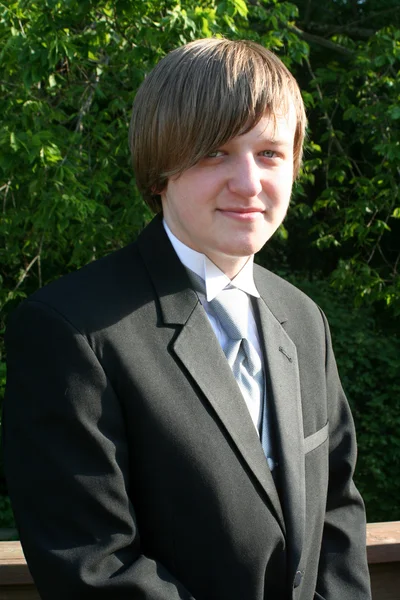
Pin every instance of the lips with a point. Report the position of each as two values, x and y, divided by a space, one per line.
242 214
247 209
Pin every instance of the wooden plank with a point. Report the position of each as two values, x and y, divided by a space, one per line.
13 567
383 542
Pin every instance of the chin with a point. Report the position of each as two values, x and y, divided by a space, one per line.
251 247
243 251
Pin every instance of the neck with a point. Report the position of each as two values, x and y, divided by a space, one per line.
230 265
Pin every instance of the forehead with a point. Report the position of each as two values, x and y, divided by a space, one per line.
276 128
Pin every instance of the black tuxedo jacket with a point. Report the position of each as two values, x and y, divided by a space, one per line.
133 465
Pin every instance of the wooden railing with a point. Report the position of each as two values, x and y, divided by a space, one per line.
383 550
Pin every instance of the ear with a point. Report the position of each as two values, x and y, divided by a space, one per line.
158 190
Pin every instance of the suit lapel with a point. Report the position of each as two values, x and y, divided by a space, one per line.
198 350
283 375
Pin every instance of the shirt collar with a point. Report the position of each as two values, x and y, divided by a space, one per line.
215 279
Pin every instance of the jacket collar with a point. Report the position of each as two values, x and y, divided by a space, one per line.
170 280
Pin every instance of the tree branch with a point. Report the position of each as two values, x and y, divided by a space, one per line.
396 264
329 122
316 39
374 15
22 277
308 37
5 187
86 104
348 29
377 246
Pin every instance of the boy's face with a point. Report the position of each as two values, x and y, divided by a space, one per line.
232 201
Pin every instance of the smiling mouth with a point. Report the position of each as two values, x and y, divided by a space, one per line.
242 214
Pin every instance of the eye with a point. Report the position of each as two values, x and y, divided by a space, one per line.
268 153
214 154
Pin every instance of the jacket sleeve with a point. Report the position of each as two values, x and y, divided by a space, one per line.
343 570
66 461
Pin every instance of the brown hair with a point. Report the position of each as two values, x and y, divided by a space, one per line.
200 96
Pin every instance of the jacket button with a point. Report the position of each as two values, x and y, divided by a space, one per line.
297 579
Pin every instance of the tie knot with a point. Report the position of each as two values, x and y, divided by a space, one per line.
231 306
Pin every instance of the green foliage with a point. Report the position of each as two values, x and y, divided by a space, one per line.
356 200
69 71
6 513
69 74
368 362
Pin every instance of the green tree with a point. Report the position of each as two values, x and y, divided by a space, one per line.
69 71
350 189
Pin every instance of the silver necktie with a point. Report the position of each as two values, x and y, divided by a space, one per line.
231 309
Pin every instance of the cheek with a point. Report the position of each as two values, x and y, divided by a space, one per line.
283 188
187 211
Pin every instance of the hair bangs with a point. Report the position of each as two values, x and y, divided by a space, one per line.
229 101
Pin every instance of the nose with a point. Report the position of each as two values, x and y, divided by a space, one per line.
245 177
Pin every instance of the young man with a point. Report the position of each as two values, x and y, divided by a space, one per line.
175 427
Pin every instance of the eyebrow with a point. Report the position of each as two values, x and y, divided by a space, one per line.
275 141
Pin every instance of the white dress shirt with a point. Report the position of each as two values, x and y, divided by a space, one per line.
215 281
